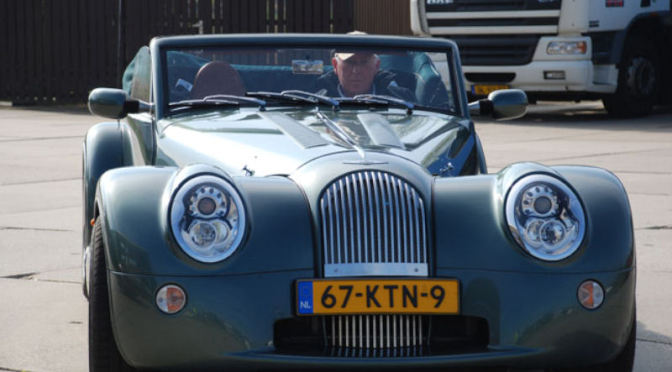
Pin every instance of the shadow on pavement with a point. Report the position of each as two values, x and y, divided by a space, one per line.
645 334
80 109
589 115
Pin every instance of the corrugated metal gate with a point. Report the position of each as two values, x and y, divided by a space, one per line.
56 51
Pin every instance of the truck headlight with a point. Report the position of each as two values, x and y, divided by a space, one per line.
566 48
207 217
545 217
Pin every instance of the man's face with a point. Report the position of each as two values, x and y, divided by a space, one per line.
356 73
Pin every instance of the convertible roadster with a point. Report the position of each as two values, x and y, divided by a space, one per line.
293 202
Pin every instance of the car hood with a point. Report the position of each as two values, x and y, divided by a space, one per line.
278 142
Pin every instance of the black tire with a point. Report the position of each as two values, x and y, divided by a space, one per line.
639 79
103 352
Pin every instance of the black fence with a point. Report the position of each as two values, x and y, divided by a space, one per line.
56 51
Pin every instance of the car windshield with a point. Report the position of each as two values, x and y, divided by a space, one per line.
275 76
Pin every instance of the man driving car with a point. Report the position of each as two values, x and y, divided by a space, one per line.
359 72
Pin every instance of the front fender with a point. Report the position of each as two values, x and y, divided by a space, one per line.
102 150
472 233
139 239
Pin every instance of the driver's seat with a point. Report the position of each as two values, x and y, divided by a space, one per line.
217 77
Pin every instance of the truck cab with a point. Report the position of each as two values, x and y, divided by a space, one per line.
614 50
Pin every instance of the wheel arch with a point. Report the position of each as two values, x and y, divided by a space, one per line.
612 43
101 151
647 24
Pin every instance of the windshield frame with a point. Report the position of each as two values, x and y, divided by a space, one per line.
160 47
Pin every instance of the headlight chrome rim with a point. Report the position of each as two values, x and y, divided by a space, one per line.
567 206
228 205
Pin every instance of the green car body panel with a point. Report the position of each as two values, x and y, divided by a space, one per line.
233 307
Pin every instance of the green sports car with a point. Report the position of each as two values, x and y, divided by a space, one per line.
294 202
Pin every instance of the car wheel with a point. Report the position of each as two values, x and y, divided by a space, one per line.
103 352
639 79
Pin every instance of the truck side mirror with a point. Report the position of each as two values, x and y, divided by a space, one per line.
504 104
114 103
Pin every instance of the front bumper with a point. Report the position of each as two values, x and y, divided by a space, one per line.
530 77
534 320
581 74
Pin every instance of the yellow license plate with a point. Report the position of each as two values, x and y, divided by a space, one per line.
377 296
485 89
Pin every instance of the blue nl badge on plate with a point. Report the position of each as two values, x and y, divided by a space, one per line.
305 294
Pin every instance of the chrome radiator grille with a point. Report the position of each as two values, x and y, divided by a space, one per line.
373 223
377 335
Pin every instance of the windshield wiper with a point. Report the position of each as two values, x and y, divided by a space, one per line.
296 96
239 99
391 100
362 101
281 97
216 100
188 104
317 97
409 106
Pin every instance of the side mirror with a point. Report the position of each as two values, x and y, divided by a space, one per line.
114 103
502 104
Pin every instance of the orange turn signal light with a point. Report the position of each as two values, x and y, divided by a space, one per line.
590 294
171 298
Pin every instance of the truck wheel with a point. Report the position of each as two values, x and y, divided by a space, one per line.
103 352
639 79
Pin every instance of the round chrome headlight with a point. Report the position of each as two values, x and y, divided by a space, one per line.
207 217
545 217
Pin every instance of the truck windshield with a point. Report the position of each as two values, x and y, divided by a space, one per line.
352 76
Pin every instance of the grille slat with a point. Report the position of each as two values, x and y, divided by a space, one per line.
404 219
387 329
375 339
397 218
411 225
344 221
493 5
376 200
384 201
368 220
394 331
422 231
418 226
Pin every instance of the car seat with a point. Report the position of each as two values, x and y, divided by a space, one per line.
217 77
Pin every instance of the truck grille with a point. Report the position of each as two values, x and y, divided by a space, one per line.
373 223
496 50
494 32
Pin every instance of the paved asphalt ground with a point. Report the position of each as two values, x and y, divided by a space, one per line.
43 315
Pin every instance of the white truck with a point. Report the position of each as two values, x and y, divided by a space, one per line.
619 51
